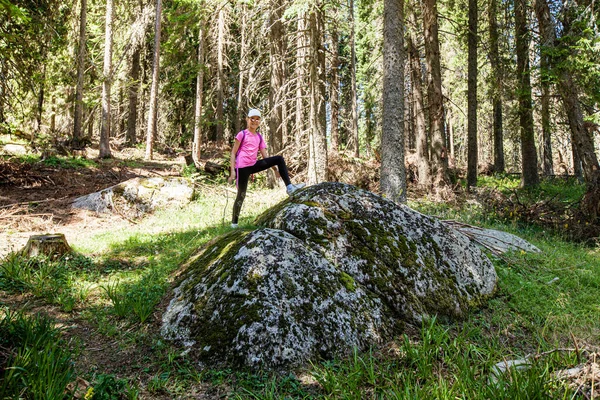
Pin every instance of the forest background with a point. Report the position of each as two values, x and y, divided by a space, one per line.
392 96
495 86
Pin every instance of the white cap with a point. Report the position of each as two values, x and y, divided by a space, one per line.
253 113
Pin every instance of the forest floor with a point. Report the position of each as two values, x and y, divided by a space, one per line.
36 198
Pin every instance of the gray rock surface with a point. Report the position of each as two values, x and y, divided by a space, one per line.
138 196
333 268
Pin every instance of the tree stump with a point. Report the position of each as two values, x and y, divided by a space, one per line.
48 244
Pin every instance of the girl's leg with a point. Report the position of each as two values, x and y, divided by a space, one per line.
269 162
242 182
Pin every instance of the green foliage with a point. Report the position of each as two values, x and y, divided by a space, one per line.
438 364
38 362
109 387
49 278
69 162
56 161
136 299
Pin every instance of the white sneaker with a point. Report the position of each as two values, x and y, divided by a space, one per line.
292 188
234 226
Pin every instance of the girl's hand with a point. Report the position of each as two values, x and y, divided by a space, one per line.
231 178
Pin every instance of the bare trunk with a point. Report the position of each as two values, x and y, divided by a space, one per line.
317 150
498 136
439 153
197 144
153 107
473 153
276 98
53 115
40 108
106 83
334 90
547 37
528 150
300 82
133 98
240 111
548 168
393 175
423 167
220 74
353 93
78 114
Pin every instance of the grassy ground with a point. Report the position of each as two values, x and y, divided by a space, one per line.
546 311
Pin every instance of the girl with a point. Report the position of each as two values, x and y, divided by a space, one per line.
243 162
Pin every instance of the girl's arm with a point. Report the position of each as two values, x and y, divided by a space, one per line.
234 150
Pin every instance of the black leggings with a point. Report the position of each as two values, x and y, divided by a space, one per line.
243 174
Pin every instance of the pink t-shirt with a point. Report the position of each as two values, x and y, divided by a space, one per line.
249 148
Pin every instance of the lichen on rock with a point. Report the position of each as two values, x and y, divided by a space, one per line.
264 299
330 269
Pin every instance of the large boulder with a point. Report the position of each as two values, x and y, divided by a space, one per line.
332 268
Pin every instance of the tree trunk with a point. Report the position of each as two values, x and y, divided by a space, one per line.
584 156
528 150
153 107
242 66
276 98
393 176
78 114
472 157
498 136
439 153
334 89
353 92
133 98
547 37
300 84
40 106
197 144
220 74
106 83
317 141
423 167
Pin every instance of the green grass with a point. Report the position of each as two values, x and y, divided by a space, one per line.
544 302
55 161
36 361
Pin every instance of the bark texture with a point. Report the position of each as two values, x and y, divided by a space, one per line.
528 151
439 152
317 141
393 175
106 83
472 152
498 135
153 109
78 114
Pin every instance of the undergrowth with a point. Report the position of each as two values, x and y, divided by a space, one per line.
35 363
545 311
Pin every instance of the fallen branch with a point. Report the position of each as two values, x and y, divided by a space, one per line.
32 202
498 242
